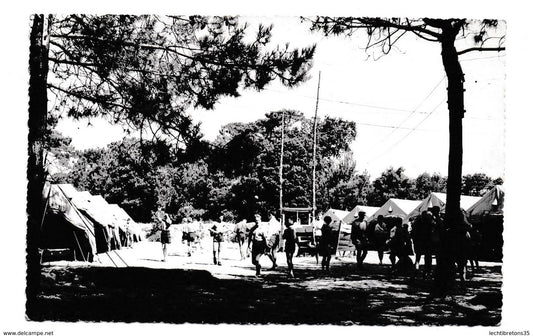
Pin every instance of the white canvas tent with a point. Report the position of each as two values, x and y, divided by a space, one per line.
97 210
490 203
94 208
120 226
64 226
487 216
337 217
352 215
339 227
439 199
130 224
396 207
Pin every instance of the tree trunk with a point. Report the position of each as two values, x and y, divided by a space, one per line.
38 67
445 259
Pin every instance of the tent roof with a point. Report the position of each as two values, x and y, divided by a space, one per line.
399 207
97 208
339 214
439 199
369 211
68 189
485 203
406 205
466 201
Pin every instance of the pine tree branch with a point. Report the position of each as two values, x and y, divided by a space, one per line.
85 97
480 49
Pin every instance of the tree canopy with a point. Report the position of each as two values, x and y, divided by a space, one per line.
144 71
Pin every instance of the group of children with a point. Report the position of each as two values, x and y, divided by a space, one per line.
259 240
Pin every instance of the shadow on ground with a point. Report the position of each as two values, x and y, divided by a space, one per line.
343 297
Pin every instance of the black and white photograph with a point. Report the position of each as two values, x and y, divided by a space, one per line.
187 171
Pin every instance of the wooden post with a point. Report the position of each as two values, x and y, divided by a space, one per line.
314 150
281 167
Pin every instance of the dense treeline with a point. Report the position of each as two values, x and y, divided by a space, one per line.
238 173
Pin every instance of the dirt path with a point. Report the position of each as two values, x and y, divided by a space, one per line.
191 289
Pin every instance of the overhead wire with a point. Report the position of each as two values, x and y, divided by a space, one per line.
414 110
344 102
409 133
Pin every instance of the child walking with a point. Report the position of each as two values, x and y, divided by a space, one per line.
290 245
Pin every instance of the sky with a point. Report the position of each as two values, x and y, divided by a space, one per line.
397 101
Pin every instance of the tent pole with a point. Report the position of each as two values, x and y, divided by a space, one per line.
107 254
109 247
118 255
79 246
45 207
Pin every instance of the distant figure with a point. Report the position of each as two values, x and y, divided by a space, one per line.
380 237
474 248
129 234
325 246
359 238
241 232
400 244
289 236
273 242
438 231
217 233
258 239
165 234
421 233
189 235
437 228
465 240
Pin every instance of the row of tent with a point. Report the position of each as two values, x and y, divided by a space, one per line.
83 223
474 207
478 210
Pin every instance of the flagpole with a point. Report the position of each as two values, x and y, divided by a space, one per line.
314 150
281 168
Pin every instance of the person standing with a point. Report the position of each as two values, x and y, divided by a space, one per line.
217 233
325 246
359 238
421 233
258 240
380 237
290 245
189 235
241 232
165 223
396 242
400 247
273 240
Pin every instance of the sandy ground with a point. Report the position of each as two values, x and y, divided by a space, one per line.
191 289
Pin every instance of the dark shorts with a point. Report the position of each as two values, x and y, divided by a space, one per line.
189 236
165 237
290 248
422 246
325 250
259 247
